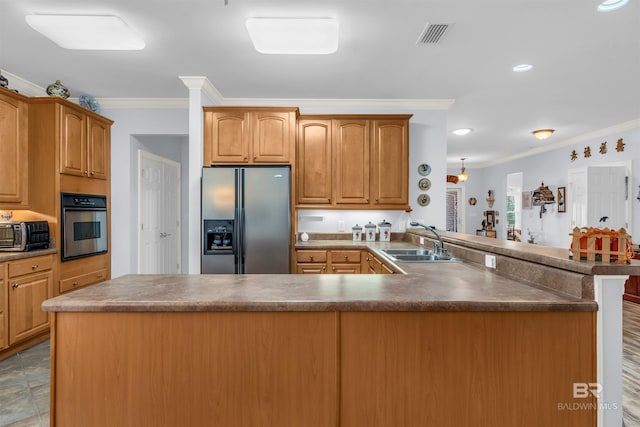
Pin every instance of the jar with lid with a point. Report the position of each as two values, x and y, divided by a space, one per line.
370 232
357 233
385 231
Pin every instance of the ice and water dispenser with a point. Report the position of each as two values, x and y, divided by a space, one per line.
218 236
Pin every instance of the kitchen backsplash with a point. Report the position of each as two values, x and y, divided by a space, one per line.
336 221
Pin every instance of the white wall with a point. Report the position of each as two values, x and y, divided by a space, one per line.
127 124
551 167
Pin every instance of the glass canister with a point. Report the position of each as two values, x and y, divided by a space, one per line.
385 231
357 233
370 232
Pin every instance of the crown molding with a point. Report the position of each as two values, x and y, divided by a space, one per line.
23 86
142 103
622 127
203 83
384 104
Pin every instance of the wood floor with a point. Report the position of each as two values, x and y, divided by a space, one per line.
631 364
28 373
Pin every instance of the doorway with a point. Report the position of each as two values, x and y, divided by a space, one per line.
159 238
455 209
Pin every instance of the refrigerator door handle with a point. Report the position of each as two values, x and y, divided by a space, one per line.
243 240
237 250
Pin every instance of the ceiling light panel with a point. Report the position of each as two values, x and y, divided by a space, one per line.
611 5
87 32
522 68
294 36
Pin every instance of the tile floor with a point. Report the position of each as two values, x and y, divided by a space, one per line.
24 380
24 388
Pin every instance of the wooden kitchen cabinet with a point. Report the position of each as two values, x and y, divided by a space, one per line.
239 135
389 164
84 144
345 262
13 150
311 261
30 284
4 339
314 162
351 160
369 162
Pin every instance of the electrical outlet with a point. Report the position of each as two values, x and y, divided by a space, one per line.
422 240
490 261
340 226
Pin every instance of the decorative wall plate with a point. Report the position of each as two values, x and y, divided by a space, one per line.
424 199
473 201
424 169
424 184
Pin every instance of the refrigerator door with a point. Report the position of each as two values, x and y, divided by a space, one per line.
219 202
265 215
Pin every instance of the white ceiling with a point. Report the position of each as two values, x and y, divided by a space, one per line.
585 77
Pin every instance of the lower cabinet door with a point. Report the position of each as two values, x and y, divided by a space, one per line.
311 268
26 295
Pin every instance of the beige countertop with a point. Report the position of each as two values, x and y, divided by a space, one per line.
11 256
426 287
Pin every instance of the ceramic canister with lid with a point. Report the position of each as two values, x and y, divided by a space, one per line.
370 232
385 231
357 233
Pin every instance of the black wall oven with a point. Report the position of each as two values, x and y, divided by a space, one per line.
84 225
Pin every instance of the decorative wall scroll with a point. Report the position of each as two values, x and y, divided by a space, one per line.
562 199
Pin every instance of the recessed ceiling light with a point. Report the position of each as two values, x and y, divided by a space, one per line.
522 68
461 132
294 36
87 32
609 5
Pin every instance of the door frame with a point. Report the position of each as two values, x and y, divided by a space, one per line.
150 156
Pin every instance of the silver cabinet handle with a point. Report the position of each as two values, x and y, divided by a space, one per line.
34 266
15 285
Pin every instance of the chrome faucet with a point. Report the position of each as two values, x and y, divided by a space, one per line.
438 247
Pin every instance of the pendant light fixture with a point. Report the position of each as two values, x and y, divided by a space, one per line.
463 176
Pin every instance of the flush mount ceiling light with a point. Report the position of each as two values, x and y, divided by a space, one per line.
294 36
610 5
461 131
543 133
87 32
463 176
522 68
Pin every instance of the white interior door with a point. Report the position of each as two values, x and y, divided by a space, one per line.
158 215
606 195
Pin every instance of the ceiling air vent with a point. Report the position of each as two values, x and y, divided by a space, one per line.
432 33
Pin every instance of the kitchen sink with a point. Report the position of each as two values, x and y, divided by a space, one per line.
417 255
409 251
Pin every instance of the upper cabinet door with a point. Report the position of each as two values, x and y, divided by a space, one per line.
351 151
390 160
98 149
226 137
272 136
13 150
314 162
73 145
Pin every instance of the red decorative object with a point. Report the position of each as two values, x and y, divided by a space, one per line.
452 178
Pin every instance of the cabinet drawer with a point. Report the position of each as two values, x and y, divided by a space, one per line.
30 265
345 269
345 256
312 256
82 280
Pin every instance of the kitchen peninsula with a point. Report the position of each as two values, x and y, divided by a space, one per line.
444 344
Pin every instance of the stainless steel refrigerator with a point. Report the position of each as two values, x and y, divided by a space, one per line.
245 220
